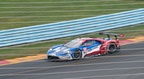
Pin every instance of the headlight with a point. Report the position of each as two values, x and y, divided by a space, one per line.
50 50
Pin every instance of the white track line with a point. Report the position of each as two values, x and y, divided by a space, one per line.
74 65
115 75
78 71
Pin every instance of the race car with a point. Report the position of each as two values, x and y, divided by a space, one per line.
85 47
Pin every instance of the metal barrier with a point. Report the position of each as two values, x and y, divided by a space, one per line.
70 28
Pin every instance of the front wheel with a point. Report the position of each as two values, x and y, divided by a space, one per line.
77 54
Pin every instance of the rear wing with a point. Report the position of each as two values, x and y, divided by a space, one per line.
112 34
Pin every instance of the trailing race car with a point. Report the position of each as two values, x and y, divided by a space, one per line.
85 47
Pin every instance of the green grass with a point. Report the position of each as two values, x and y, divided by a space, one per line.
22 13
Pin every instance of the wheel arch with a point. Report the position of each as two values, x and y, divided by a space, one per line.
76 49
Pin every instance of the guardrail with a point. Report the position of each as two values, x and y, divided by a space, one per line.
70 28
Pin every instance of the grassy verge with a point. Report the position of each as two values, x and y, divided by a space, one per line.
22 13
41 48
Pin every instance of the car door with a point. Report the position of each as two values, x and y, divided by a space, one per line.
89 46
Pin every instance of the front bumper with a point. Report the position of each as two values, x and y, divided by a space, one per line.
51 57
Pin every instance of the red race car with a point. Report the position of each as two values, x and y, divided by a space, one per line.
85 47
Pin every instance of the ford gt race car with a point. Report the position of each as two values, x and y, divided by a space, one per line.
85 47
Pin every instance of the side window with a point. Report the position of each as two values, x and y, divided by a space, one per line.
88 42
97 42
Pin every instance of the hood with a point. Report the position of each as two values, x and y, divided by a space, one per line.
59 50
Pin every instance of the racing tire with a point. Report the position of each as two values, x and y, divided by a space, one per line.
112 48
77 54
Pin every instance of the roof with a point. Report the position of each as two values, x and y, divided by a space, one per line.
84 39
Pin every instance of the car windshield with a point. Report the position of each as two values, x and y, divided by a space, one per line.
74 43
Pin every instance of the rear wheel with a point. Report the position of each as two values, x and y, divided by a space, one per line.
77 54
112 48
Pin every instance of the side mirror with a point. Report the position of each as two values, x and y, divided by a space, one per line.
65 42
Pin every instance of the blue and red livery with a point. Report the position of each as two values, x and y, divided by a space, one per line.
85 47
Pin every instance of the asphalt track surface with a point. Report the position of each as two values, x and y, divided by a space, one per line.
127 64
